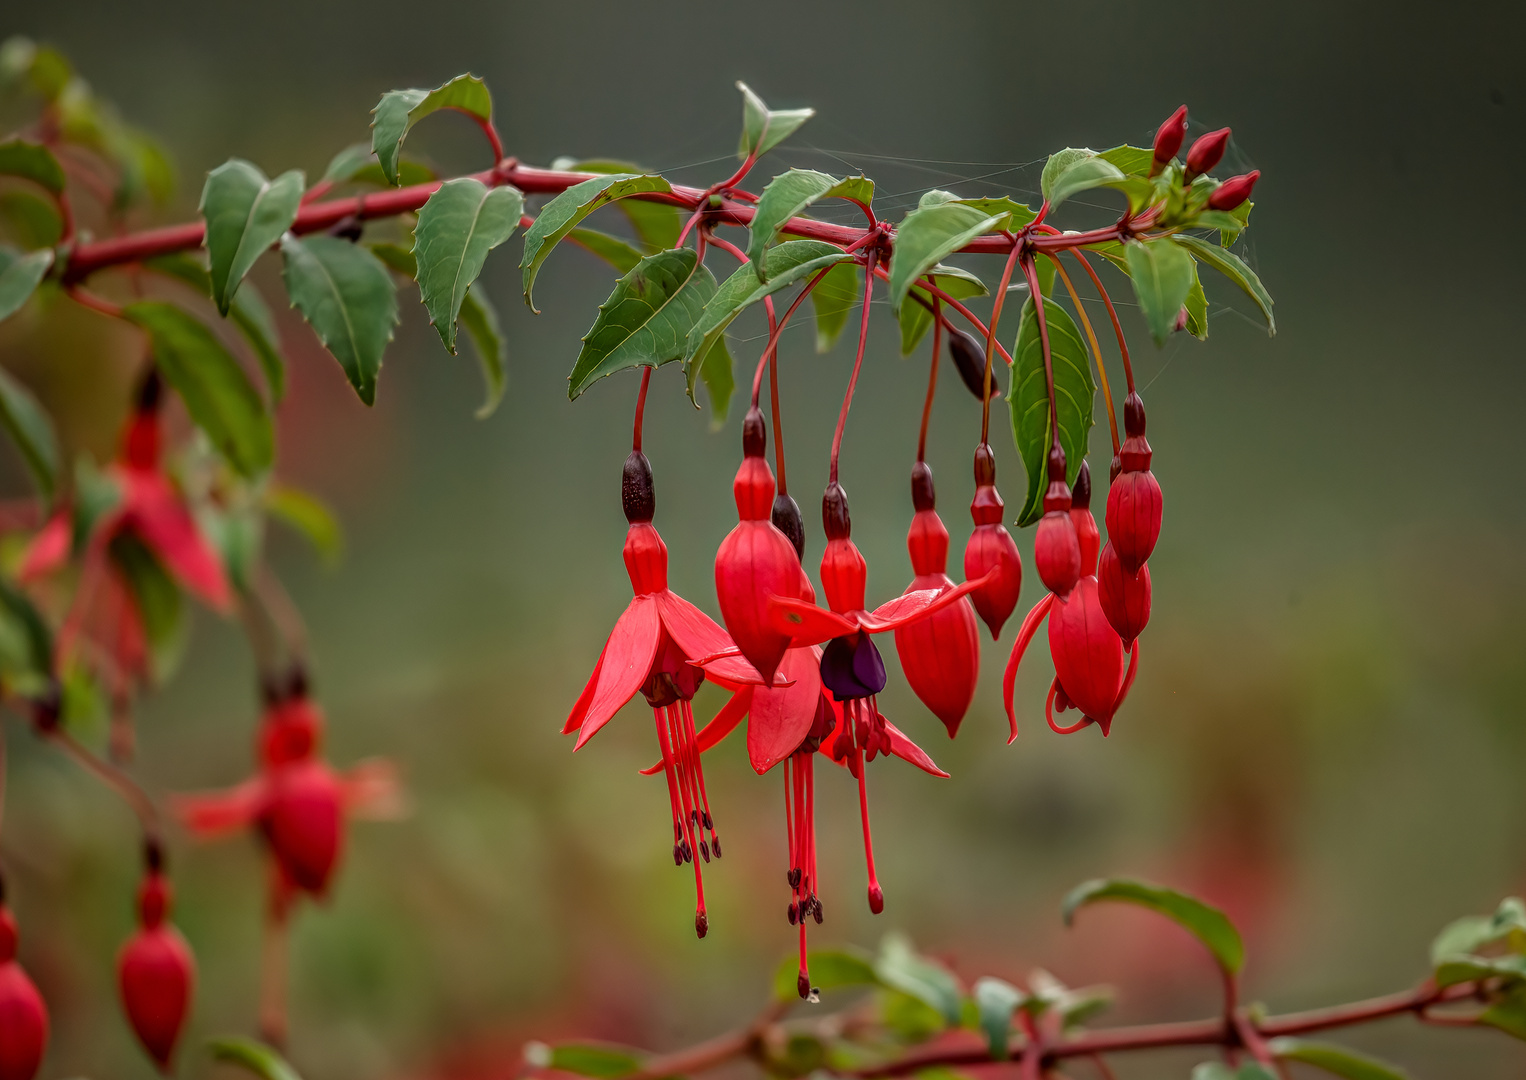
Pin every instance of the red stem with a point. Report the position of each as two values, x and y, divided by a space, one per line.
858 363
932 378
996 306
973 319
773 338
1123 346
646 380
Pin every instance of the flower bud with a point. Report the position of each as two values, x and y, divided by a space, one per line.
969 357
156 973
23 1014
1168 139
1125 597
1206 152
1081 516
1234 191
303 823
1088 655
1056 547
1134 498
991 547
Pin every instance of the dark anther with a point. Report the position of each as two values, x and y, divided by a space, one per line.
793 877
688 852
297 683
834 512
970 358
754 434
715 845
786 518
701 924
1081 492
816 910
153 854
678 855
923 496
708 823
636 492
704 850
794 914
985 465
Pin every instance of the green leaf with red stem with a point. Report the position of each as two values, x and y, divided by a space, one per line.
31 220
398 110
347 297
830 969
565 212
916 320
1336 1060
357 164
788 195
30 428
1012 215
1028 396
480 321
157 600
258 1058
248 311
656 224
600 1061
611 249
32 161
217 394
832 299
245 214
764 128
462 221
1162 273
929 233
1130 160
647 318
997 1001
902 968
1233 267
1082 174
1208 924
307 515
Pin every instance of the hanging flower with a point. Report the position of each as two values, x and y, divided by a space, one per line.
156 972
23 1013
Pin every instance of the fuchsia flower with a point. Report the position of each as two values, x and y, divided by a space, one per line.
991 549
156 971
1206 152
1234 191
1056 545
1134 499
23 1013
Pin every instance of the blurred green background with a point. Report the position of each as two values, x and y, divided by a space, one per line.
1326 735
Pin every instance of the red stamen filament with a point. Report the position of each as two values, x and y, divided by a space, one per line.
1091 336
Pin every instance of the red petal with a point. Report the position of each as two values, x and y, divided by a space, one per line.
695 633
781 719
164 522
729 668
215 814
1024 636
373 790
627 662
912 606
906 750
49 549
805 623
580 707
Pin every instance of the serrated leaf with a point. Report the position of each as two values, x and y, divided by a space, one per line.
1012 215
787 263
764 128
831 300
611 249
1130 160
32 161
19 277
997 1001
248 311
657 225
29 427
563 213
347 297
1028 397
916 320
1162 273
256 1057
245 214
480 321
926 236
647 318
787 195
1336 1060
1058 162
308 515
462 221
830 969
398 110
1234 268
31 220
156 599
217 393
1082 175
1197 307
901 967
1208 924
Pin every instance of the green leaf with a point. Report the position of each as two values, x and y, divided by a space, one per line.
346 295
1163 274
398 110
646 319
787 263
1234 268
396 257
1336 1060
32 161
19 277
830 969
1058 162
657 225
308 515
831 300
611 249
563 213
787 195
1197 307
1461 969
601 1061
31 220
356 164
1462 938
1081 175
157 600
1013 215
1130 160
248 311
1028 396
927 234
715 371
256 1057
480 321
26 642
909 1018
245 215
1509 1012
1113 252
902 968
29 427
344 165
1208 924
1214 1070
764 128
462 221
997 1001
916 320
217 393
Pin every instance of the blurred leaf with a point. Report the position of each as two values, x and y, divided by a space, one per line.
357 164
308 515
563 213
237 533
602 1061
245 215
1208 924
1028 397
395 257
1509 1012
911 1019
256 1057
30 428
26 642
786 196
916 320
31 161
1197 307
1214 1070
146 167
716 372
1232 267
832 299
1336 1060
480 321
1080 175
1461 969
1130 160
928 234
216 392
611 249
248 311
344 165
346 295
95 493
1079 1006
657 224
462 221
903 968
647 318
830 969
764 128
31 220
801 1055
1013 215
45 70
157 600
398 110
1162 274
19 277
997 1001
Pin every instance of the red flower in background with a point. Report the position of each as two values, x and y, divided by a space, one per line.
156 971
23 1014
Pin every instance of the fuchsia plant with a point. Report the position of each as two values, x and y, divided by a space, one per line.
95 601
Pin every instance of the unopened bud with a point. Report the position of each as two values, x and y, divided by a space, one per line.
1206 152
1168 139
1234 191
969 357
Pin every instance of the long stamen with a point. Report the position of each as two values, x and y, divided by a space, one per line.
687 712
701 919
876 894
685 789
808 767
668 771
789 831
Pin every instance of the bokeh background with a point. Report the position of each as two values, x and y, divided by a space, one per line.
1326 735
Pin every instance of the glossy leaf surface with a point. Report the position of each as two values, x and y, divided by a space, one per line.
347 297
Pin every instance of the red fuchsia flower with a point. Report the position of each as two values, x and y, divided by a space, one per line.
298 802
1206 152
156 971
1234 191
939 654
653 649
1125 597
1056 547
1133 498
756 561
1168 139
991 552
23 1014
